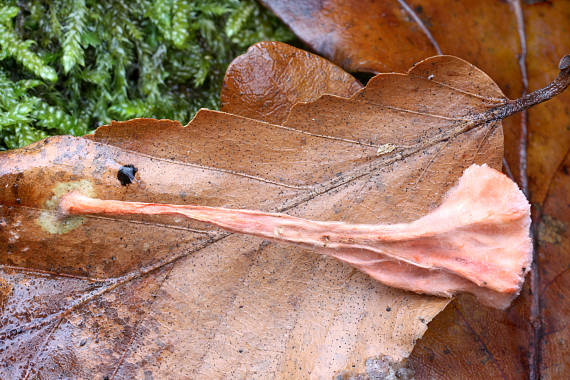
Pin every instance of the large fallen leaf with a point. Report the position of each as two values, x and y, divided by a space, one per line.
518 43
156 297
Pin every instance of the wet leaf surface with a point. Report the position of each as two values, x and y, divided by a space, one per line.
271 77
156 296
518 43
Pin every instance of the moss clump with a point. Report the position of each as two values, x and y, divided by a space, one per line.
69 66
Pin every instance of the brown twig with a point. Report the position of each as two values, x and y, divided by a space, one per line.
557 86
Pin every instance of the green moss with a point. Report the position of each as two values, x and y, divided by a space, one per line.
69 66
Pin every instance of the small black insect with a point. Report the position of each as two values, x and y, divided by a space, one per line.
126 174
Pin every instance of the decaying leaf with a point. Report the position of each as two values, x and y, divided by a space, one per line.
548 35
122 296
441 355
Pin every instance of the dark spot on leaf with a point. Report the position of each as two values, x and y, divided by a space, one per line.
126 174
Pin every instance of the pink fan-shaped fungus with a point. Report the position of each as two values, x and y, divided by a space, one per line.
476 241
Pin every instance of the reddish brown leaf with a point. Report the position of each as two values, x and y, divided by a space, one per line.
170 298
359 35
271 77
